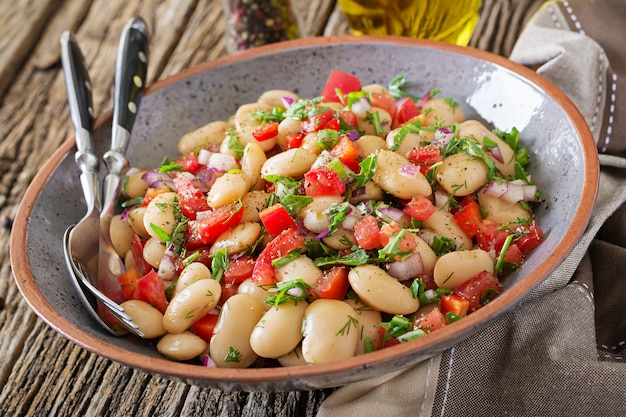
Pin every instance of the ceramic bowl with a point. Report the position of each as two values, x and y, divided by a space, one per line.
487 87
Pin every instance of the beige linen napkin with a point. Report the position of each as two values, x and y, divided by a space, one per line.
562 352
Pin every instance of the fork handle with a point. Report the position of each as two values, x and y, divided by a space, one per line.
80 102
130 79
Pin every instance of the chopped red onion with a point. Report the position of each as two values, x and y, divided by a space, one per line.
208 362
287 101
512 192
125 212
208 176
222 162
156 179
203 156
392 213
497 154
422 101
407 268
409 171
322 234
353 135
361 106
441 199
401 101
443 136
427 235
167 269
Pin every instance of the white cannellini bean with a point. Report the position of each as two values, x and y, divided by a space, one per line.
210 134
293 358
500 210
253 203
370 191
369 144
274 98
230 344
237 239
193 272
302 267
285 128
146 317
404 144
382 292
443 224
341 239
454 268
374 88
292 163
181 346
280 329
315 215
135 186
368 324
428 255
249 287
121 234
389 177
439 111
251 162
309 142
365 124
246 124
227 189
191 304
153 251
461 174
135 220
160 212
475 130
330 331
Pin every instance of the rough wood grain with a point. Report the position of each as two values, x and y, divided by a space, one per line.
41 373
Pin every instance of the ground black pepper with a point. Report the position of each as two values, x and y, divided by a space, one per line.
252 23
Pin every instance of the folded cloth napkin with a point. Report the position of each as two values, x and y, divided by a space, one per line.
562 351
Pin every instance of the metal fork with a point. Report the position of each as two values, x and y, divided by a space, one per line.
80 254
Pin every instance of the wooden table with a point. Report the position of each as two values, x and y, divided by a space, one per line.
41 373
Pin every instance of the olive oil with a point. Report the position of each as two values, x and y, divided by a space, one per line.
444 20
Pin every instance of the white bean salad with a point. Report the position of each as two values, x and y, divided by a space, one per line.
303 231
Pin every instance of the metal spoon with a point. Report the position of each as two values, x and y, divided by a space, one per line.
130 78
78 244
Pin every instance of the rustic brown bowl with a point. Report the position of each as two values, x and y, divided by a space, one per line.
488 87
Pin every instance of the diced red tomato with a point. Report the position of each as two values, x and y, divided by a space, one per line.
136 248
333 124
407 110
468 217
128 281
189 163
323 181
190 197
367 233
420 208
348 118
220 220
276 218
339 80
424 157
479 290
531 238
513 259
490 237
294 140
347 152
204 327
281 245
333 285
151 193
318 121
228 290
384 101
150 289
431 321
382 339
266 131
387 230
455 304
239 270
